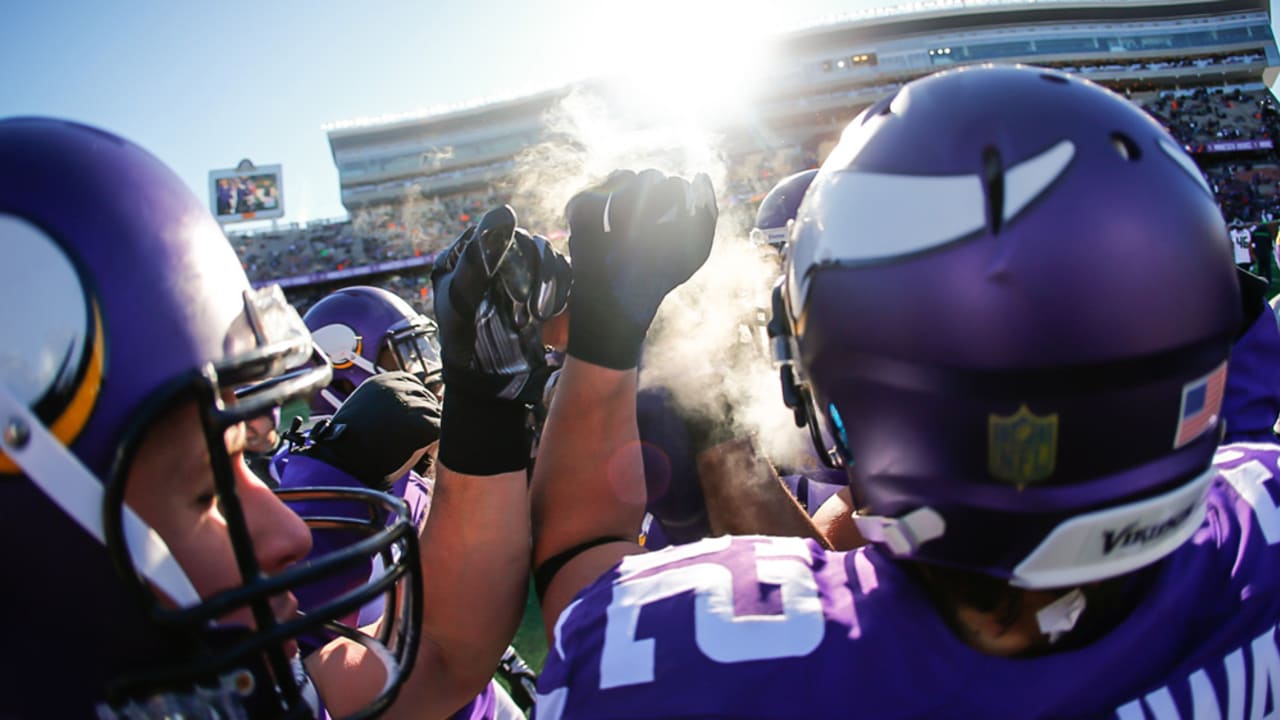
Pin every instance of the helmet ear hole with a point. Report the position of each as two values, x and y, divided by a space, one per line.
1125 147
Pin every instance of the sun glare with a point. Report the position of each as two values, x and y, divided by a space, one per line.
683 60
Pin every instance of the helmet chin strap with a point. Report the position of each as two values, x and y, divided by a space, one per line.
78 492
1116 540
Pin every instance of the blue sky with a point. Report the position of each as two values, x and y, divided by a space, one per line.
203 85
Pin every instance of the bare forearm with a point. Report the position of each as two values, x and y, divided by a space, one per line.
589 478
475 561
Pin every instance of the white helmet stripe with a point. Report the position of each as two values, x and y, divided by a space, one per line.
880 216
360 362
1027 180
941 208
885 216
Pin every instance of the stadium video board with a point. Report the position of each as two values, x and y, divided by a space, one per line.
246 194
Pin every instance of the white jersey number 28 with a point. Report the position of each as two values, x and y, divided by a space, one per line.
720 634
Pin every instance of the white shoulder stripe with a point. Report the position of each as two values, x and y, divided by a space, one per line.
550 706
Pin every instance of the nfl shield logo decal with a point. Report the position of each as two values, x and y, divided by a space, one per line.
1022 448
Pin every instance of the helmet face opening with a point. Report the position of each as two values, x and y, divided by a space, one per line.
415 348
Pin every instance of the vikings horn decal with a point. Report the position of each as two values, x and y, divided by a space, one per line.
959 201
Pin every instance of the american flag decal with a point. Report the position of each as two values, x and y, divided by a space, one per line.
1201 403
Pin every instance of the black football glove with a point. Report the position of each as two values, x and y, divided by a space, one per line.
379 431
493 289
633 238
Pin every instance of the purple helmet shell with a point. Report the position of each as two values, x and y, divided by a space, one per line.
355 326
969 289
779 208
122 300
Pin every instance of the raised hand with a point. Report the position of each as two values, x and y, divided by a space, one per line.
633 238
494 287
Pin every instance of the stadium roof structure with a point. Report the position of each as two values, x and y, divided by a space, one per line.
951 15
826 72
888 21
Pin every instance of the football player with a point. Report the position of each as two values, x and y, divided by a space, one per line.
161 583
261 442
1251 399
368 330
777 211
390 420
367 333
1031 436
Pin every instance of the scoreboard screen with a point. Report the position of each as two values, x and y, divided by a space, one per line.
246 194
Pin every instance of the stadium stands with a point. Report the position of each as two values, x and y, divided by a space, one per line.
1213 122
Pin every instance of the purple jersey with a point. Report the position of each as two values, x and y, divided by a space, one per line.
814 487
759 627
481 708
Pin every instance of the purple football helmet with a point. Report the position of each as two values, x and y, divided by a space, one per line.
970 318
365 331
778 209
122 301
